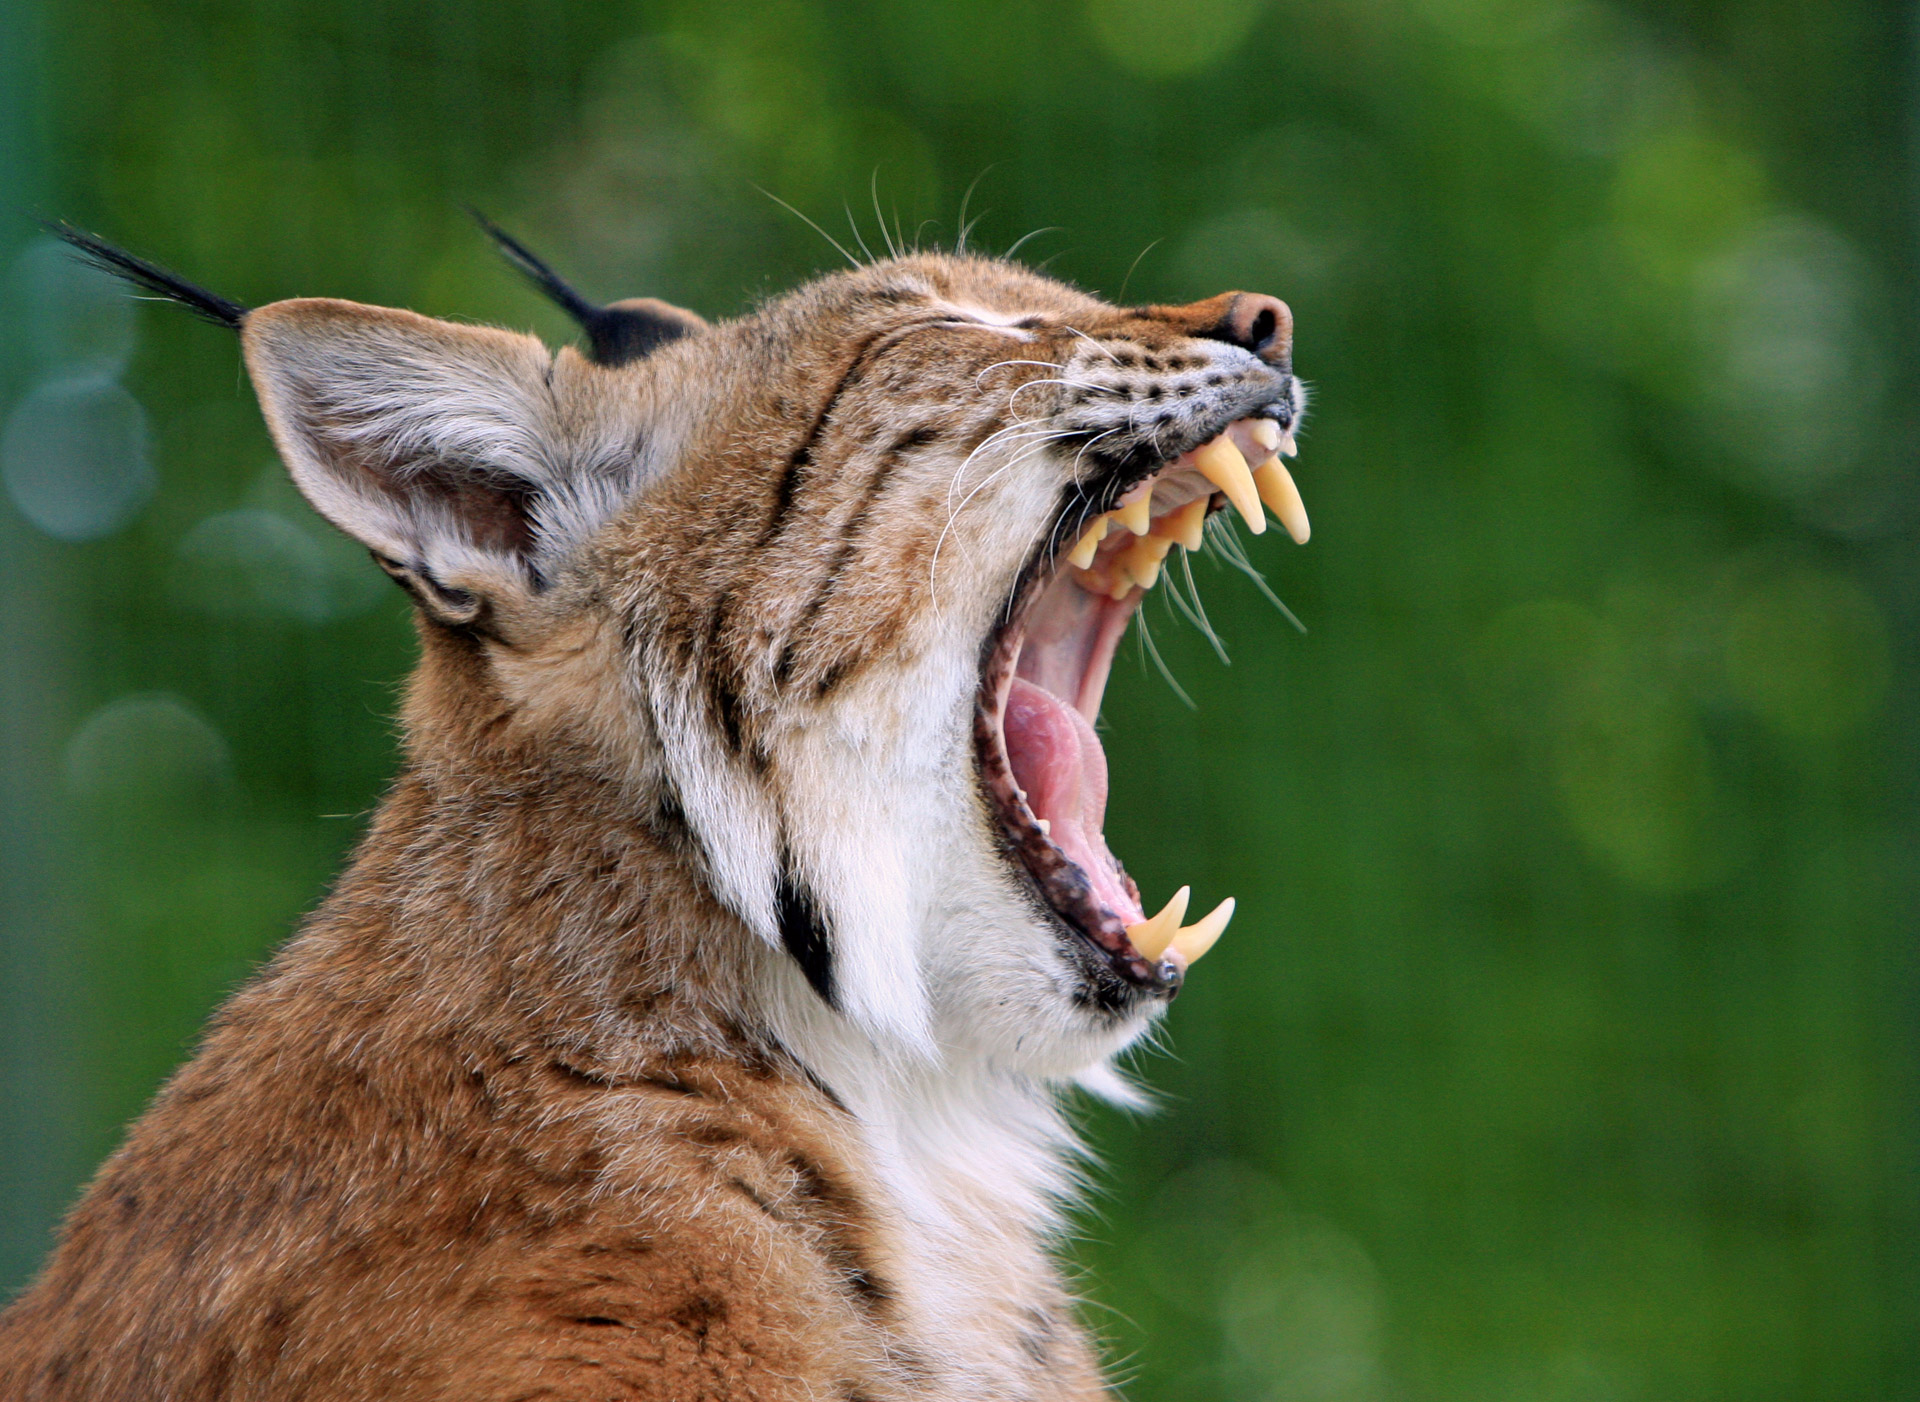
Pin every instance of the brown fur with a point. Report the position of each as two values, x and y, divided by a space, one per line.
507 1119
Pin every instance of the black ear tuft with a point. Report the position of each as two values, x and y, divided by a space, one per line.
636 327
616 334
535 271
150 276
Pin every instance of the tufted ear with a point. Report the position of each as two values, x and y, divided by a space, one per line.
616 334
445 449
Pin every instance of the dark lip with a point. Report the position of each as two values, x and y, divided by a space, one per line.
1054 881
1117 973
1115 474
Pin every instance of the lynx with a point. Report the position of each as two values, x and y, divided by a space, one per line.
695 1017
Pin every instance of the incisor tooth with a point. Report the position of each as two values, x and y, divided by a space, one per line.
1266 433
1286 447
1083 548
1045 825
1141 559
1136 515
1278 491
1152 935
1196 939
1221 464
1187 526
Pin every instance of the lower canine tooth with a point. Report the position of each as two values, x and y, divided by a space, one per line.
1152 936
1196 939
1277 490
1221 464
1083 548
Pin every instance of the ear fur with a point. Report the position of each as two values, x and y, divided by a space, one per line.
442 448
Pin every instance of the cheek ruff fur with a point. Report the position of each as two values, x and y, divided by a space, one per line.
696 1016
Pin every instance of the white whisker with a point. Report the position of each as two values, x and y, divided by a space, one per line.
1020 389
953 515
1003 364
1221 533
1193 608
893 246
1050 229
1090 341
1152 649
1016 429
838 247
858 237
1088 444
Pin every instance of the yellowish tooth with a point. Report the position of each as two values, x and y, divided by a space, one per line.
1266 433
1121 587
1278 491
1152 935
1221 464
1136 515
1286 447
1083 548
1196 939
1187 526
1141 559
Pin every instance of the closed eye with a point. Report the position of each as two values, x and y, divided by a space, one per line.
1015 333
1015 325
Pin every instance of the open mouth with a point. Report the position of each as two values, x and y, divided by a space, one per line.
1041 760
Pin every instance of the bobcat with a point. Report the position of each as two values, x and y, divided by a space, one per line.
693 1019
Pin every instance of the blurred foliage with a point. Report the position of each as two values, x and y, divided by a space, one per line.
1564 1048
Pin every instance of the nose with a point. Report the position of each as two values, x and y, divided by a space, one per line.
1250 320
1261 324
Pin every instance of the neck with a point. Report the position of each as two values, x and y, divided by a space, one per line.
562 905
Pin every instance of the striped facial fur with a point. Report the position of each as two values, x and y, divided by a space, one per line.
874 672
694 1017
834 590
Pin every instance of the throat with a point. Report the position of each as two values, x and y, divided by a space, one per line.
1068 649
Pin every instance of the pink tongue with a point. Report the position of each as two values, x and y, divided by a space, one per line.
1058 761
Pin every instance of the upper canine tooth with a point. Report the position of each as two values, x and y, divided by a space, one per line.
1187 525
1278 491
1221 464
1141 559
1083 548
1266 433
1196 939
1152 935
1136 515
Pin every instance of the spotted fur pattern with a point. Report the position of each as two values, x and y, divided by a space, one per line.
681 1029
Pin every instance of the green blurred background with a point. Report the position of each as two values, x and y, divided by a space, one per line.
1564 1048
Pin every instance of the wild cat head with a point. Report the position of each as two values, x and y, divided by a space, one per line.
833 589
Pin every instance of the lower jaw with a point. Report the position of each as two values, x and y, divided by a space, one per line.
1060 643
1116 973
